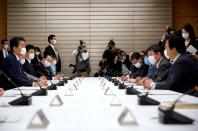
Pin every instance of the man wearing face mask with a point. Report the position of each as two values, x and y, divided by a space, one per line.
139 69
42 68
4 51
51 50
28 66
13 68
183 72
38 56
156 58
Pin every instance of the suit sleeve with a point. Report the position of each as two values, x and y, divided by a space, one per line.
174 76
13 70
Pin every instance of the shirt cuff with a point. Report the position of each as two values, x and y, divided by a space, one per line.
152 85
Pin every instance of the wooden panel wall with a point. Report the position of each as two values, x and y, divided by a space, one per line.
133 24
185 11
3 19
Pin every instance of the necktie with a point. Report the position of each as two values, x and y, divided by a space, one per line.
6 53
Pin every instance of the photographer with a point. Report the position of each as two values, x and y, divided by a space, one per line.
82 60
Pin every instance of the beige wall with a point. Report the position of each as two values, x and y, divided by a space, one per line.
133 24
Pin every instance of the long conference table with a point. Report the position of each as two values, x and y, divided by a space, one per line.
86 107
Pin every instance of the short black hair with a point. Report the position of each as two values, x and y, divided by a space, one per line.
156 48
81 42
111 43
2 41
29 47
50 37
46 55
178 44
38 49
14 42
136 55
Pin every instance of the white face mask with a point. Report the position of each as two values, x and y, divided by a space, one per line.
54 62
37 53
23 51
53 42
47 63
137 65
166 54
152 60
31 56
185 35
22 61
6 46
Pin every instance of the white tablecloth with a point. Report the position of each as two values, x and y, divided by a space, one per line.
90 110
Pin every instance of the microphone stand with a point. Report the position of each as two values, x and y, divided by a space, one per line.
145 100
169 116
41 92
23 100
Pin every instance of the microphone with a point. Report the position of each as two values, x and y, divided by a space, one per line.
41 92
60 83
64 79
132 91
23 100
117 82
52 86
169 116
143 99
122 86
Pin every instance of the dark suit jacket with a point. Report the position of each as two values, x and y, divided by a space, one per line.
13 68
28 68
49 50
41 70
183 75
139 72
162 70
2 58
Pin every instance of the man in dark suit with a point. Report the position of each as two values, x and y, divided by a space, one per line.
28 66
13 68
155 56
4 51
161 64
42 68
183 72
138 68
51 50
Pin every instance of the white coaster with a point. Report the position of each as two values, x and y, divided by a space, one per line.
39 120
108 91
115 101
127 118
56 101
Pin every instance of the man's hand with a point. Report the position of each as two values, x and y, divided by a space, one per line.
1 91
139 81
41 83
147 83
131 80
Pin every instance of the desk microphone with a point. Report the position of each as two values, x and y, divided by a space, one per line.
41 92
23 100
122 86
61 82
132 91
167 115
52 86
64 79
143 99
117 82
